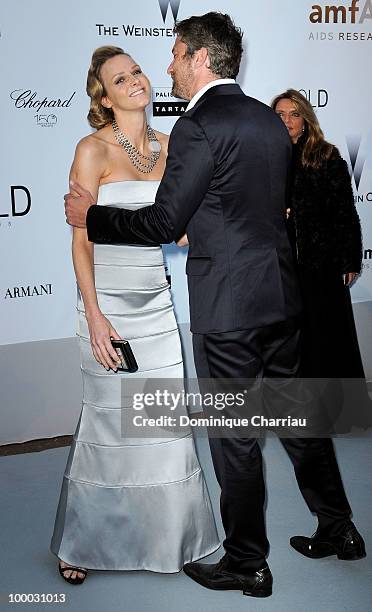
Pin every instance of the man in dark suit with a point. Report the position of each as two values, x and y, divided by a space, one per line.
225 185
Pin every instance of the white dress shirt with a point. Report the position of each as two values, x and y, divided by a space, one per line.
201 91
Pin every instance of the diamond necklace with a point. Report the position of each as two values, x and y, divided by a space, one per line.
135 156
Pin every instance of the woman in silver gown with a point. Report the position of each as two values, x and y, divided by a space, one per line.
126 503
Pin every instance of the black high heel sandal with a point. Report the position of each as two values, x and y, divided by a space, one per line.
72 568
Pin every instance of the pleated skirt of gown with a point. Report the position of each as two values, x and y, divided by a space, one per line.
131 504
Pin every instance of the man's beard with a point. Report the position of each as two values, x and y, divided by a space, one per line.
181 89
179 92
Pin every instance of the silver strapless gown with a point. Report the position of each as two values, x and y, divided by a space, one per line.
130 504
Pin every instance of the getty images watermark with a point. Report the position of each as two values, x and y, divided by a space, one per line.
180 401
165 408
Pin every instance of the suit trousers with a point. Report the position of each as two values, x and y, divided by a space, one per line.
271 351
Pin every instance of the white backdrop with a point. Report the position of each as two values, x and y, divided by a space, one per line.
46 48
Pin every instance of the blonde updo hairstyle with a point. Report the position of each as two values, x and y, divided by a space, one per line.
98 115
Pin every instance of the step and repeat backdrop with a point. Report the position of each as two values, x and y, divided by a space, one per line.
321 49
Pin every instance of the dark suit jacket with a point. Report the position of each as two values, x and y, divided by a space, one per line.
225 184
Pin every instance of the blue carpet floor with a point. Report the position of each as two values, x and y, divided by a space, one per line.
30 485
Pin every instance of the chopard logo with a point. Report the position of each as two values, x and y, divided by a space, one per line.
164 4
25 98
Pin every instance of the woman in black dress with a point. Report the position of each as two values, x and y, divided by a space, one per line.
325 229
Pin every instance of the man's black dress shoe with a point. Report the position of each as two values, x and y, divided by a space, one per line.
220 577
349 545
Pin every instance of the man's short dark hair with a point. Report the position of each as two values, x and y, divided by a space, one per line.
219 35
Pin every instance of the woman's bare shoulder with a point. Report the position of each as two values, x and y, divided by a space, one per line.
91 158
93 144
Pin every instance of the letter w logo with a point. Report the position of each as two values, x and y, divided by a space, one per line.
174 4
357 160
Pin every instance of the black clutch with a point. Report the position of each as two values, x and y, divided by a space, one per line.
128 360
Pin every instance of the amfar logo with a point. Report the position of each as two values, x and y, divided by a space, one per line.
347 13
29 291
164 4
332 13
357 159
